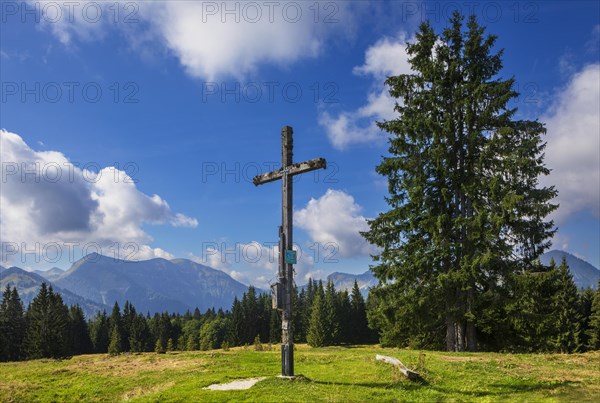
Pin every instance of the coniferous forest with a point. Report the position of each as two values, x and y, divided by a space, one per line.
550 315
50 329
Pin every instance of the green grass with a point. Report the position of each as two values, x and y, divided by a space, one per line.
335 374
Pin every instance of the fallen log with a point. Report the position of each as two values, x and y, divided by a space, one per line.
410 374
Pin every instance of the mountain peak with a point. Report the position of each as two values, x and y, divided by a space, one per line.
153 285
584 274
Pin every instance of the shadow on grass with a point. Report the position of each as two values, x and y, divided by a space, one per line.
402 384
507 389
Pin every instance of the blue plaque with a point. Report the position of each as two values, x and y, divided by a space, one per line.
290 256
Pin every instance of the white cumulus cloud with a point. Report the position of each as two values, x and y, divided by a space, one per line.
573 144
210 39
46 199
335 219
146 252
387 57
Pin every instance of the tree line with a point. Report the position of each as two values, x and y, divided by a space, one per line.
547 313
50 329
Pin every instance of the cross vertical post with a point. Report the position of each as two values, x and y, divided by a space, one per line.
286 272
286 268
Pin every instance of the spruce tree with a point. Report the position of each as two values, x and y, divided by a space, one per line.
467 211
115 345
38 325
299 330
264 317
80 335
311 289
164 330
60 340
310 295
100 333
250 316
358 317
15 317
236 329
139 335
116 322
153 325
567 311
586 299
4 326
127 319
528 322
300 317
594 324
159 346
332 316
12 326
47 326
209 315
344 313
316 335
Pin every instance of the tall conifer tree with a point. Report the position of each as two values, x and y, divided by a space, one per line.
100 333
358 317
12 326
467 211
80 335
316 335
332 316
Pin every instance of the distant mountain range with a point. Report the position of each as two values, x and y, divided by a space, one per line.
345 281
154 285
584 274
28 284
51 274
96 282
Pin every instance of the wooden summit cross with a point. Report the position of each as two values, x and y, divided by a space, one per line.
282 291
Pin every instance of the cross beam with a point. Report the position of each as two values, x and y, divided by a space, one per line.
286 269
294 169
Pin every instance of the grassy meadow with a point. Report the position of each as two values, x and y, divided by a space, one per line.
334 374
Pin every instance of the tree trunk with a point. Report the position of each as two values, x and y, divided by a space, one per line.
455 335
460 336
471 329
450 334
471 336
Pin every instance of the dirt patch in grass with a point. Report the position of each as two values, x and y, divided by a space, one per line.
567 375
13 386
582 359
147 390
458 358
132 365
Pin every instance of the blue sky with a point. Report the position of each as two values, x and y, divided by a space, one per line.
179 104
